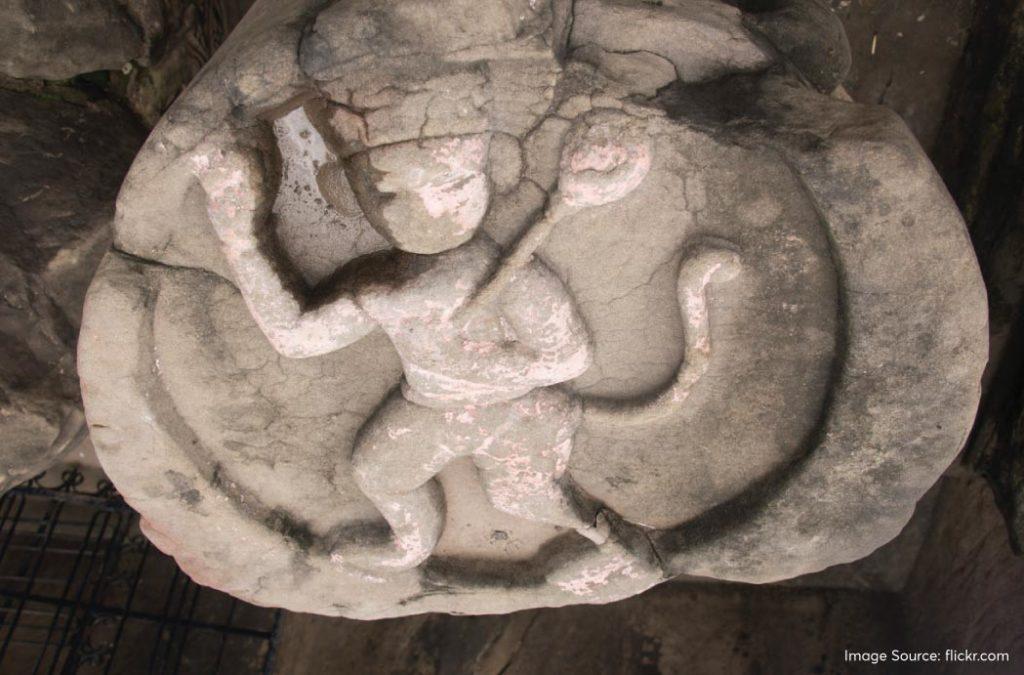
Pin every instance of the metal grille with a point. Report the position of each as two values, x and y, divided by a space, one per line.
82 591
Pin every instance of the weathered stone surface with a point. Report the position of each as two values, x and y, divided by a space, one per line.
967 589
889 567
62 161
856 151
750 341
58 40
807 33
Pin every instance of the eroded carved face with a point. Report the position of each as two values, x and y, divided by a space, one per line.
425 196
409 99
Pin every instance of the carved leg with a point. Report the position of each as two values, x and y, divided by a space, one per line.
398 453
416 519
522 464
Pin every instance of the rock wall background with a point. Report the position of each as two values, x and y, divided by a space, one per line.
63 158
83 80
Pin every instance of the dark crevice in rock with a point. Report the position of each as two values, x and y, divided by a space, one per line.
132 19
66 151
138 260
982 160
517 648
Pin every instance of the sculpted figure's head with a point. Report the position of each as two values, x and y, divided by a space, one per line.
412 95
424 196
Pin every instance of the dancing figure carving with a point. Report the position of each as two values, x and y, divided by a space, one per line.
484 339
476 306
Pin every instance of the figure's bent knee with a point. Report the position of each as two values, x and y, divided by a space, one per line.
363 472
376 473
393 455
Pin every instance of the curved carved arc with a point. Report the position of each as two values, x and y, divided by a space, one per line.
916 343
163 472
826 512
211 546
769 335
709 261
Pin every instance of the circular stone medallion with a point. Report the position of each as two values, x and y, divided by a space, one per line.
463 306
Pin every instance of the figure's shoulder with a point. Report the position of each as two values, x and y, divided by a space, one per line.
535 284
479 248
465 264
391 274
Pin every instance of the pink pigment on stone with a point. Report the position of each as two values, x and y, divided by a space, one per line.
592 579
598 173
455 367
461 192
598 157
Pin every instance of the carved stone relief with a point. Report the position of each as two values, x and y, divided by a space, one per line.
478 306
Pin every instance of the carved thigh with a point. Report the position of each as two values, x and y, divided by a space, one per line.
402 446
522 461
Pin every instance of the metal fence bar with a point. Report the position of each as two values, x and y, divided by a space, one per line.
63 596
74 622
76 578
133 587
45 531
155 617
107 561
164 618
224 636
187 627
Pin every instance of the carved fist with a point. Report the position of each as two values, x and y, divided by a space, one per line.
604 158
233 180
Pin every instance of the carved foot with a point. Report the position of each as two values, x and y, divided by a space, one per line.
623 564
381 558
599 531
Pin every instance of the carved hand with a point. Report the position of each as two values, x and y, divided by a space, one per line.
234 185
603 160
238 201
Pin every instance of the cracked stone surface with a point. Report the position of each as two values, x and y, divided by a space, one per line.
476 307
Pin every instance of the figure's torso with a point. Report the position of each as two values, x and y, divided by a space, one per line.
449 360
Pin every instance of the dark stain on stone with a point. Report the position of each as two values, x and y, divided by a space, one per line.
184 486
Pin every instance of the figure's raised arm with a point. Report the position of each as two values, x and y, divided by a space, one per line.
239 197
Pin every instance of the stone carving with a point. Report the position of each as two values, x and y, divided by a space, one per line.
478 306
478 376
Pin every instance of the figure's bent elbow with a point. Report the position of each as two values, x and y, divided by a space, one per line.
294 352
291 345
298 341
580 359
567 363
